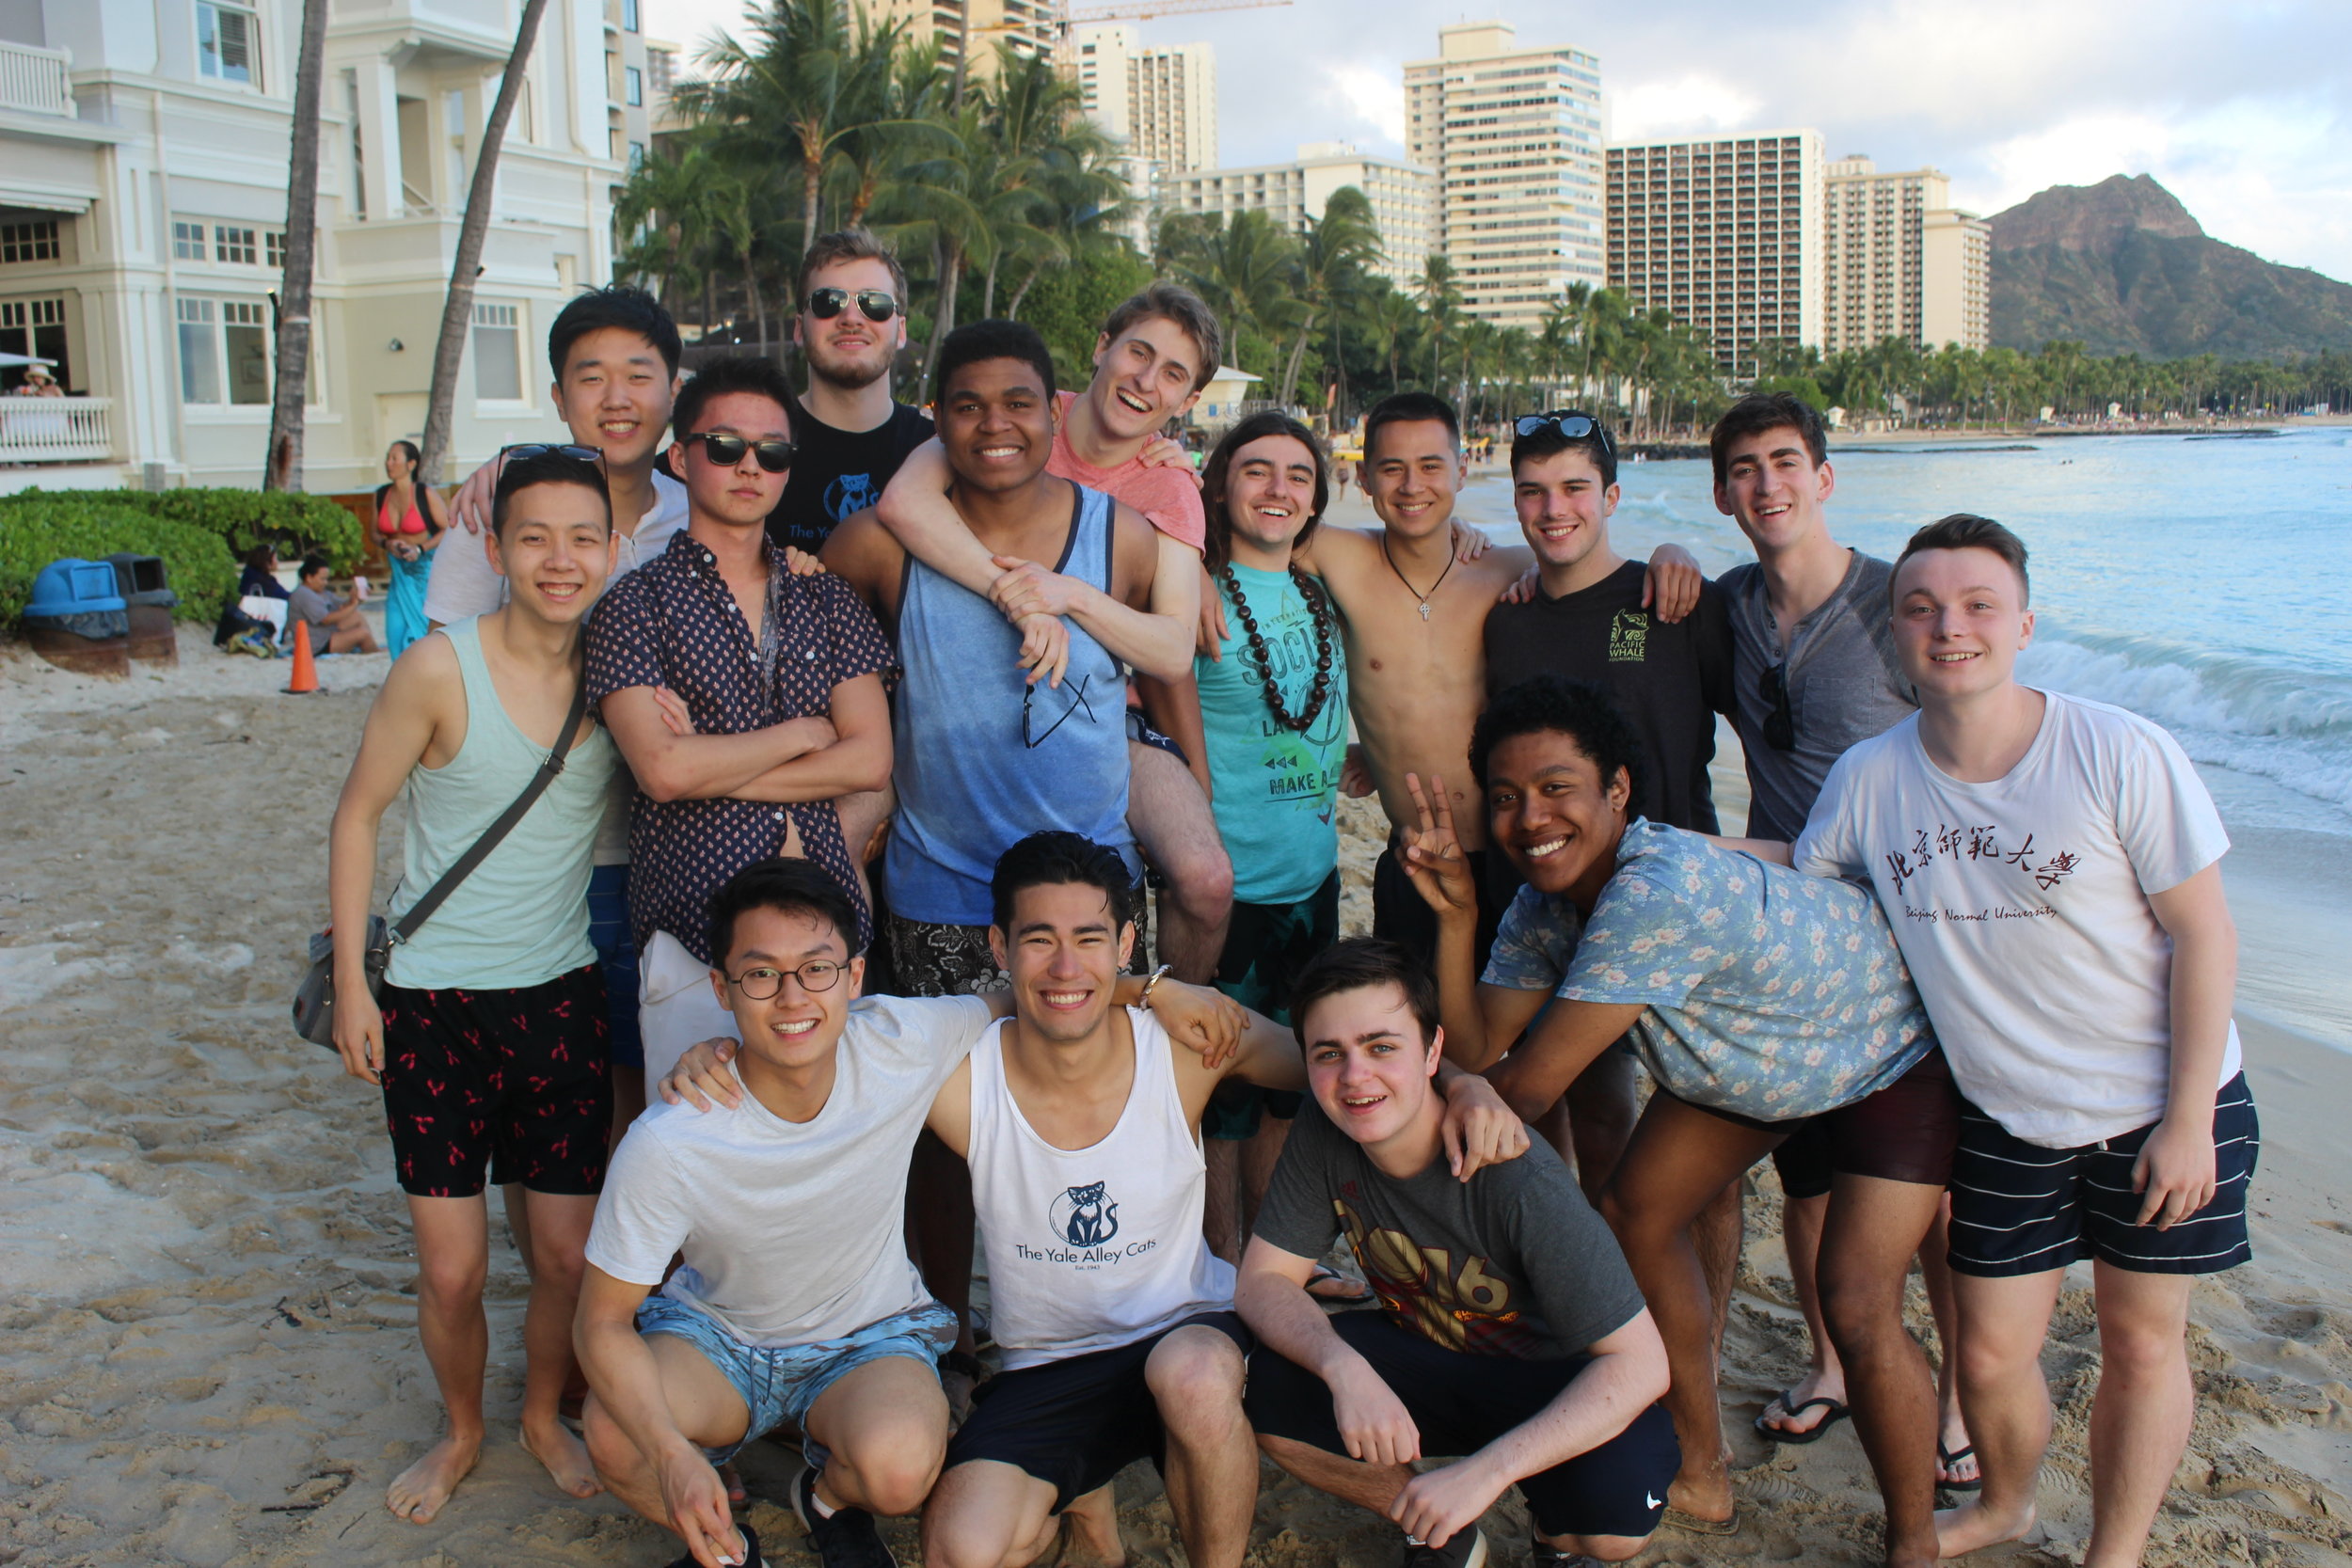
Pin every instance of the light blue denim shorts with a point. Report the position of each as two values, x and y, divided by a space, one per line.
780 1383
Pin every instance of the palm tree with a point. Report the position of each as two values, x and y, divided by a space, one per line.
283 471
664 212
457 310
1333 253
1440 302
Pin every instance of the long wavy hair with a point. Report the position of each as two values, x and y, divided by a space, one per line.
1257 427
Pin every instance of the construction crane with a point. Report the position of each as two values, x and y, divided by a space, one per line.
1144 10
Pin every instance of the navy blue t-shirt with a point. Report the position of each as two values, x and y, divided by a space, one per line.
837 473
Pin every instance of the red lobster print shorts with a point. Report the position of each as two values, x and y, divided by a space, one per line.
517 1082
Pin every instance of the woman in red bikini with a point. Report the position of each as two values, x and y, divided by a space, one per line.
409 520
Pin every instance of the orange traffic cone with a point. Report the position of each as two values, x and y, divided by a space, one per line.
306 673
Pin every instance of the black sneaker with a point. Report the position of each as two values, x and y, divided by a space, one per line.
846 1538
1465 1548
751 1550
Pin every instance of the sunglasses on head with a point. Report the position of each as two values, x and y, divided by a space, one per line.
1569 423
725 452
525 450
876 303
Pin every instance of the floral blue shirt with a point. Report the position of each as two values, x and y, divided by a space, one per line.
1769 994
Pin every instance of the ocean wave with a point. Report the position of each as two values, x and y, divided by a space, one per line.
2292 726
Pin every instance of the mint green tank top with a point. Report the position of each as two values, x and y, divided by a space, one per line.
521 918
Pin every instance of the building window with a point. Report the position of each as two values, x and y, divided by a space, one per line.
628 17
187 241
234 246
29 242
498 369
633 85
225 41
34 328
274 251
224 352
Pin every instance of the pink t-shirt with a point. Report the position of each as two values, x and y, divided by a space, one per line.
1170 497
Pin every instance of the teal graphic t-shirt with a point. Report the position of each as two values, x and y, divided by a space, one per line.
1276 789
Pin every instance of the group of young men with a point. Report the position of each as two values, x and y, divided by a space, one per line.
880 728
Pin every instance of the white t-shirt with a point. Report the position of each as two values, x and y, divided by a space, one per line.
462 583
2021 907
793 1232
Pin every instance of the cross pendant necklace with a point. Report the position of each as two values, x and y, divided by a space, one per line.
1416 593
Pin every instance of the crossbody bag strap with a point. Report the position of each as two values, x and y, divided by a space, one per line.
423 909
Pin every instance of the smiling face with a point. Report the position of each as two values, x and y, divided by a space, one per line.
744 493
996 423
1774 489
1412 475
849 351
1150 374
1960 620
796 1028
615 394
1563 508
555 551
1064 953
1270 496
1548 807
1369 1064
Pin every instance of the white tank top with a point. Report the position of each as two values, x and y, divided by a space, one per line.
1091 1248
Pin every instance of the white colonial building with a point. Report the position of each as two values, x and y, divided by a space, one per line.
144 148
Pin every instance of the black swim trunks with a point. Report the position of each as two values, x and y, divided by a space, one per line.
517 1082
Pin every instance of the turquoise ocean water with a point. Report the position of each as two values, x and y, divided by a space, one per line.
2206 584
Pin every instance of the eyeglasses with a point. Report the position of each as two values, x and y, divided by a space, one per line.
876 303
764 982
727 450
524 452
1077 701
1780 725
1569 423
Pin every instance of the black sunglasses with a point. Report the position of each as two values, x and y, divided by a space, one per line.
525 450
1571 424
877 305
1780 725
1078 700
727 450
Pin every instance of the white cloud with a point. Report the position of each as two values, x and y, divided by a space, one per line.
1694 104
1367 95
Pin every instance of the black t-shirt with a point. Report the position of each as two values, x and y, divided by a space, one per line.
839 472
1669 681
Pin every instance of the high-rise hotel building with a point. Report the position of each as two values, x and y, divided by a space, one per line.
1513 137
1160 99
1031 26
1899 261
1725 232
1404 199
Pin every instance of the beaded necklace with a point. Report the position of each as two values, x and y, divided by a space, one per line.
1261 658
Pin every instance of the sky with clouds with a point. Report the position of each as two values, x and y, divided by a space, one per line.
2242 108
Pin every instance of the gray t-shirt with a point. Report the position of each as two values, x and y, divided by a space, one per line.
309 608
1514 1263
1844 681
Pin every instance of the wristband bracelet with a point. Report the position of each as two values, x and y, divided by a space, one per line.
1154 978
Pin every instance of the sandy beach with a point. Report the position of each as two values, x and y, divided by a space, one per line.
207 1352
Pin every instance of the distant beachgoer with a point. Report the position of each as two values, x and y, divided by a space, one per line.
410 521
238 629
332 623
2087 1021
490 1041
39 383
1510 1331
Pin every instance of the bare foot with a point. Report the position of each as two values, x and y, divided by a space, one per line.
1703 1494
1972 1526
551 1443
733 1479
1815 1384
1955 1460
418 1492
1092 1532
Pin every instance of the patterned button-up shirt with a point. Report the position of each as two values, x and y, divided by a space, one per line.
673 622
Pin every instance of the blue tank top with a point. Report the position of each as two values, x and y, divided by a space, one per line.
973 779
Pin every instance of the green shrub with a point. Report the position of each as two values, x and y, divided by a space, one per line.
294 524
200 569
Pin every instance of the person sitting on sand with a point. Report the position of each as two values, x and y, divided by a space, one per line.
1756 998
1526 1349
489 1040
797 1306
2052 867
332 623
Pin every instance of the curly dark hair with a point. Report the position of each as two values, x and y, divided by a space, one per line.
1578 709
1271 422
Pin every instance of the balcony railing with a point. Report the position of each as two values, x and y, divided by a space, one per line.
57 430
34 81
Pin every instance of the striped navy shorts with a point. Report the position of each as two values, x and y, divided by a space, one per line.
2020 1209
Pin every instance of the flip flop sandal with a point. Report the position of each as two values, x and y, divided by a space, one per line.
1349 1293
1947 1457
1791 1411
1676 1519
